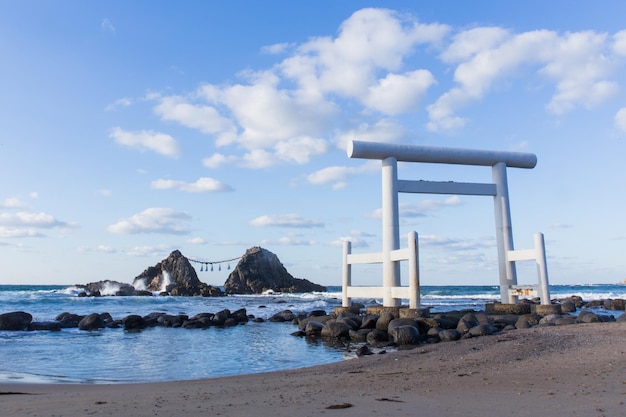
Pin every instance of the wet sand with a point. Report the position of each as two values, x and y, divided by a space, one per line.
574 370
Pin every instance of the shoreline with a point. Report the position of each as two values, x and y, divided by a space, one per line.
562 370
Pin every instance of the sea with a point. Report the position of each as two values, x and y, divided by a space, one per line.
111 356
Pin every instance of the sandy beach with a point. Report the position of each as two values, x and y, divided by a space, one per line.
575 370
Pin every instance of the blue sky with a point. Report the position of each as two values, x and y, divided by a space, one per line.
130 129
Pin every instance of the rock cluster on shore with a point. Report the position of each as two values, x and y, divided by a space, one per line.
20 320
407 328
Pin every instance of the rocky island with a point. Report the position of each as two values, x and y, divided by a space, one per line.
258 271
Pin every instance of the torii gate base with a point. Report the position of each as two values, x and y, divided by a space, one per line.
392 292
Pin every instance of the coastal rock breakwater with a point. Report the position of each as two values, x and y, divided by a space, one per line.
20 320
405 328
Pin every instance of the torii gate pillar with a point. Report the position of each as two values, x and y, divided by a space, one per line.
391 229
504 232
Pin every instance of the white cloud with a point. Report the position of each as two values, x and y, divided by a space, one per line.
370 40
357 239
29 219
256 159
285 220
620 119
105 192
159 251
13 203
579 68
282 114
107 26
197 241
202 185
399 93
217 160
99 249
277 48
576 62
160 143
13 232
300 149
291 239
122 102
339 174
619 45
204 118
153 220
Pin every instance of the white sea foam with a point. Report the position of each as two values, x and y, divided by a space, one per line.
166 279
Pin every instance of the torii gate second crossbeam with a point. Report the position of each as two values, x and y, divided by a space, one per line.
390 154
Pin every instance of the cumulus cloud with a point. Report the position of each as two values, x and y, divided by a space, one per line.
361 81
143 140
24 224
338 175
153 220
284 114
158 251
357 239
217 160
577 63
399 93
620 119
619 45
292 239
277 48
30 219
13 203
202 185
285 220
98 249
197 241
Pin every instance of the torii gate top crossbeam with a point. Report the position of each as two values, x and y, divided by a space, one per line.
439 155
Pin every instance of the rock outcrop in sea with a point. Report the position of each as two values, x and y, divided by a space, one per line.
260 270
176 276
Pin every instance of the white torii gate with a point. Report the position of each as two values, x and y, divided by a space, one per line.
392 292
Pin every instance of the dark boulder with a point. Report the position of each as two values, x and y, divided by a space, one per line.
359 336
403 321
134 322
286 315
69 320
449 335
260 270
383 321
53 326
377 337
16 320
168 320
335 330
313 328
484 329
405 335
91 322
